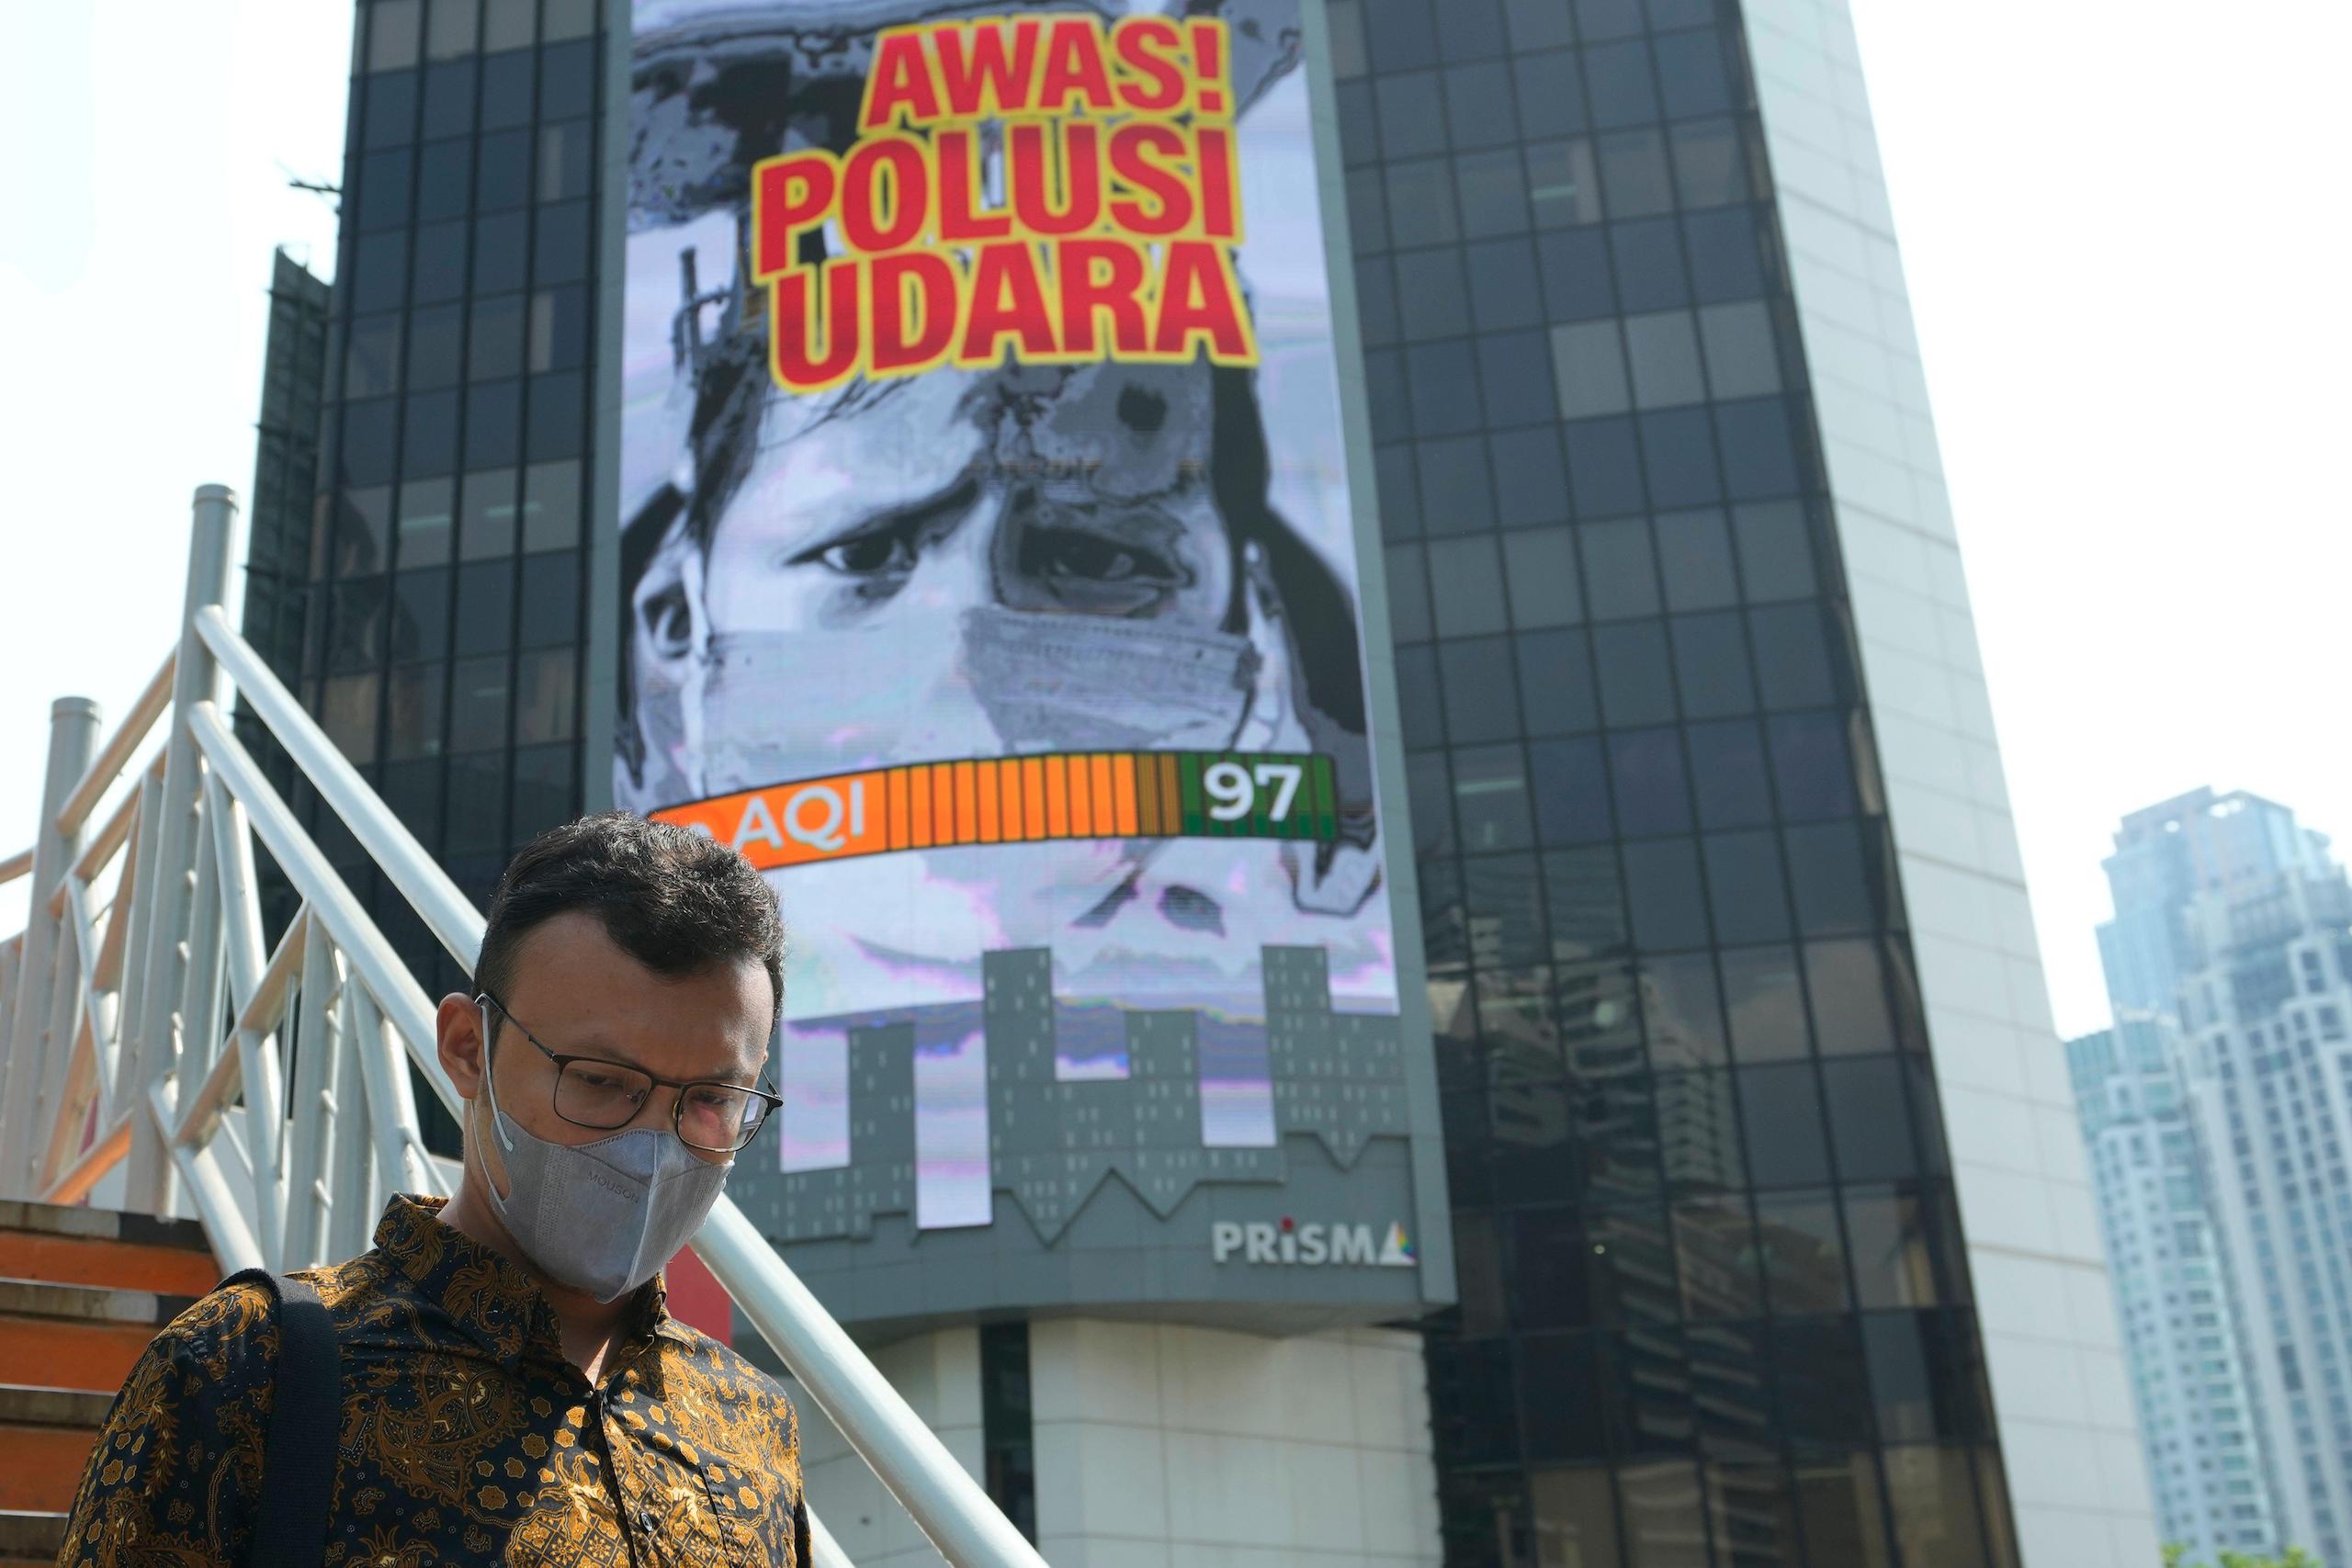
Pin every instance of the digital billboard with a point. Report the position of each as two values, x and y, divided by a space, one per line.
991 569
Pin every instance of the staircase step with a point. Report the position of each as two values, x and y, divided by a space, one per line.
102 1224
29 1537
92 1260
90 1356
40 1467
23 1404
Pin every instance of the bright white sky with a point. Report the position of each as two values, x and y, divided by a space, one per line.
2124 230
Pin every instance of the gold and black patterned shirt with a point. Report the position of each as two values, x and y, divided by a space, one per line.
465 1436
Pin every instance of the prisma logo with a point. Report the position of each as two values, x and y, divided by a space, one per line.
1310 1246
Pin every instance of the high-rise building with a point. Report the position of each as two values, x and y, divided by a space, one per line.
2207 1460
1772 1240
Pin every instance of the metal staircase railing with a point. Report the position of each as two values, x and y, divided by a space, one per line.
145 1027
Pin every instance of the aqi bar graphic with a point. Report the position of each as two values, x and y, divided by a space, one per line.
1013 800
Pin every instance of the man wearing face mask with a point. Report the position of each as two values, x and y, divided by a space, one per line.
511 1387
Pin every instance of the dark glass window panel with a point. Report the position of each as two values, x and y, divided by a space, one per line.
495 348
1664 1525
1490 798
1679 457
1825 1395
1412 114
1384 392
560 244
1518 1026
347 714
478 702
493 420
546 695
1896 1252
420 627
1869 1122
1482 1515
1539 24
1752 1506
1586 900
1359 128
1715 1250
1467 587
1588 362
1420 203
1646 767
1745 888
1455 495
1555 688
477 806
1727 768
1598 20
1478 106
1662 884
445 180
1682 1011
1849 993
1662 347
1710 665
1698 1126
1631 1265
384 188
1563 1411
1634 173
1551 94
1571 791
568 80
1636 677
1691 74
500 243
1667 15
1618 77
1805 1254
1400 510
550 608
1780 1110
550 506
1472 1398
356 630
1574 269
1763 1000
413 712
1710 164
379 270
567 160
1831 882
1481 1275
1531 481
1481 697
505 90
1527 1136
1936 1521
1792 659
1726 253
1811 767
1444 379
368 432
558 405
1419 702
547 789
504 171
1695 559
1760 448
1377 306
570 19
1564 186
1539 569
448 99
1924 1377
1775 550
372 359
1837 1502
1408 594
413 788
440 263
1573 1518
435 342
558 328
391 108
1430 791
1473 30
1604 469
1515 374
1445 935
362 522
1552 1263
1650 1385
429 434
1649 266
1504 901
1367 200
485 606
1491 188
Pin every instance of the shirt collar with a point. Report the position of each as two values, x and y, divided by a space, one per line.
492 1298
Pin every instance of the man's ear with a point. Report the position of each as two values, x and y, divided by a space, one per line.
457 1039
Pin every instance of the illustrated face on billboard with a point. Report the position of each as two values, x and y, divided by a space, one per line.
988 553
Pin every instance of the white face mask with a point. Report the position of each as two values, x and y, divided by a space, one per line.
601 1217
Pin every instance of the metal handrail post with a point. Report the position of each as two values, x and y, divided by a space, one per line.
72 740
165 892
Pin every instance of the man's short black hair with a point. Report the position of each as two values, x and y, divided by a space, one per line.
675 901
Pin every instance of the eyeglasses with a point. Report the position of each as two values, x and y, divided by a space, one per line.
717 1118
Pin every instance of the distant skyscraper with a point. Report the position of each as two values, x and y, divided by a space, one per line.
2229 959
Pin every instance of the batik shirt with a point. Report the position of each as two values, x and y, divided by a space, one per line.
466 1438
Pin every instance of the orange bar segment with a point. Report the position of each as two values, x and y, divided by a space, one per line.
967 803
1106 816
1123 793
1082 799
1171 797
901 837
919 806
1057 797
992 809
942 803
1033 797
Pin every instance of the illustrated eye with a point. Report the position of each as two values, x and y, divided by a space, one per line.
887 553
1078 554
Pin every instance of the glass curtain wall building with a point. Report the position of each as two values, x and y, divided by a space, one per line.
1766 1254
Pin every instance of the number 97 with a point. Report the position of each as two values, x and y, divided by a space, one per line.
1233 789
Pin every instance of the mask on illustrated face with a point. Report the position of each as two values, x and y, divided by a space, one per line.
601 1217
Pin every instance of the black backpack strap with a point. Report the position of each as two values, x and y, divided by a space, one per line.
298 1474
